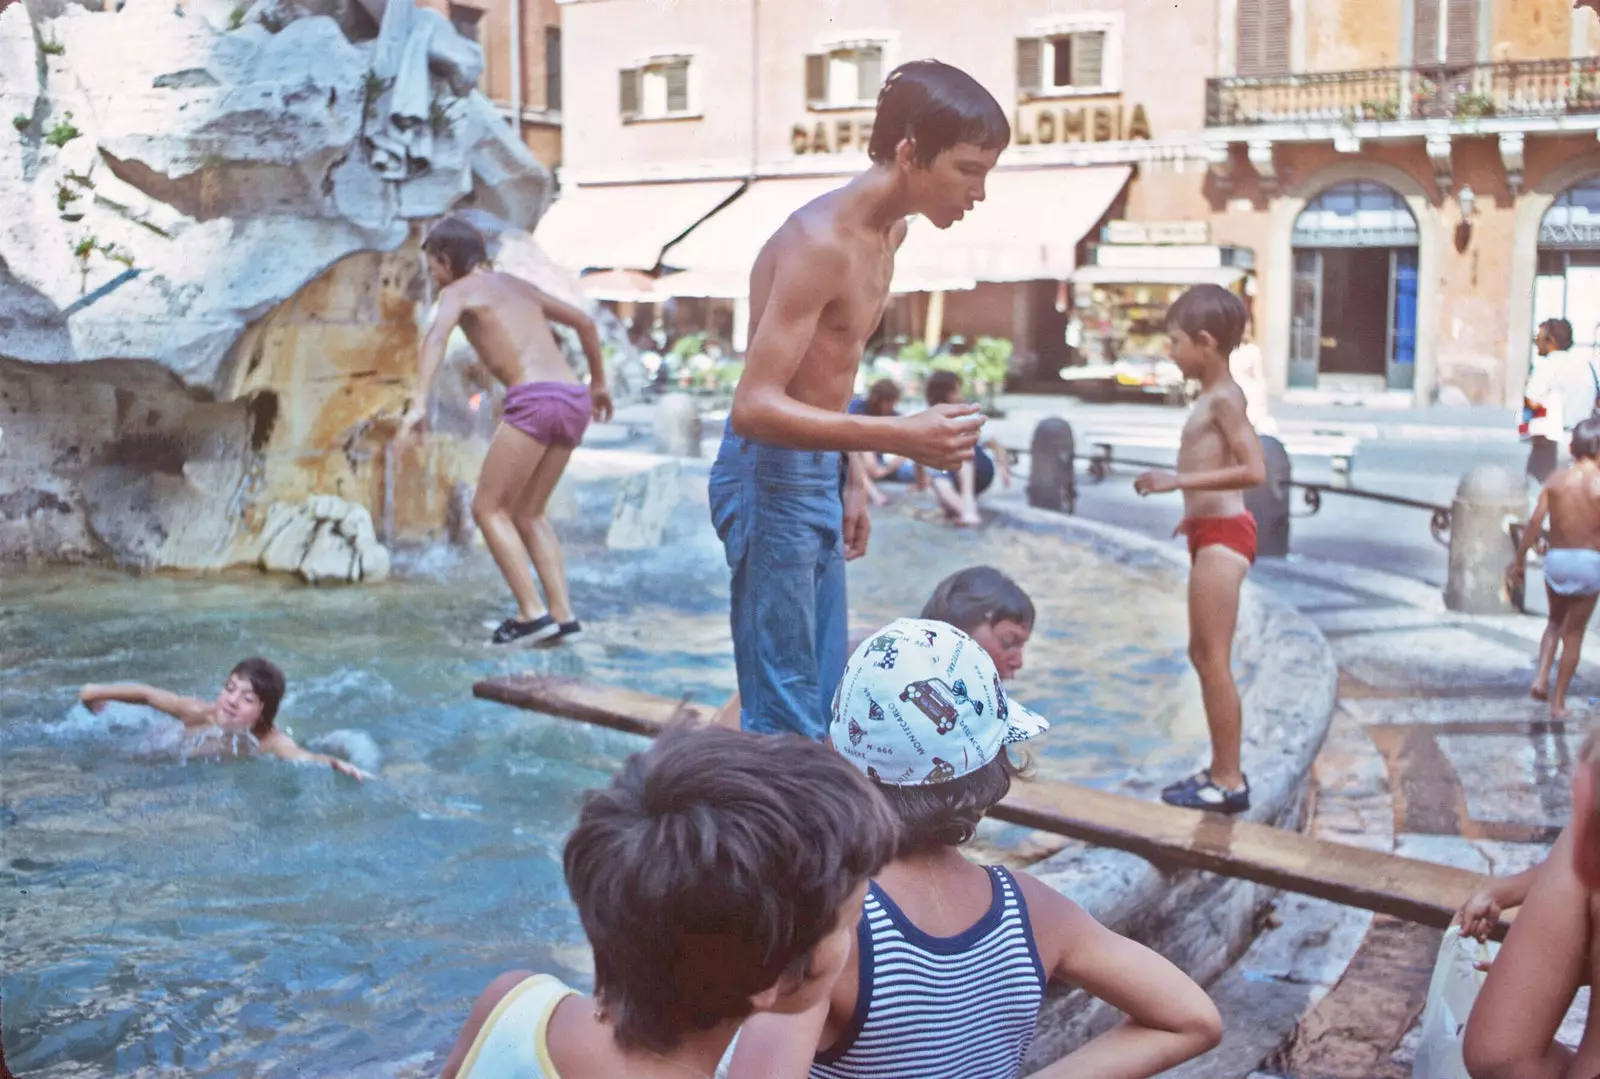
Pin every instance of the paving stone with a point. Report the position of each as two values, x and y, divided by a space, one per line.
1523 780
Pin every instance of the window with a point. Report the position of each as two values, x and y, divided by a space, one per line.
658 90
1066 63
1445 31
1263 38
846 77
552 68
466 19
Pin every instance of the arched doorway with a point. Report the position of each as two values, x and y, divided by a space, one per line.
1354 315
1567 284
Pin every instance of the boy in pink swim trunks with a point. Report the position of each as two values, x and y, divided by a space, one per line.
1219 458
507 320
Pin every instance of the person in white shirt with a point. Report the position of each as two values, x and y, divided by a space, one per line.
1561 393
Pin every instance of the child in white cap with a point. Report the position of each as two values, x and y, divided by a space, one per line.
951 959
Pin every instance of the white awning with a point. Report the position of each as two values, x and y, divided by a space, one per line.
1027 228
726 244
625 226
1226 276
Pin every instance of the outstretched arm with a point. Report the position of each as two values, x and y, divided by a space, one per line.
445 320
1169 1018
192 711
1481 912
281 746
567 315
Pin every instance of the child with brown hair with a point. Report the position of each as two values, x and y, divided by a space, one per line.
1219 458
719 875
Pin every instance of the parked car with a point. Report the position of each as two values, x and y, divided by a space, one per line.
1133 377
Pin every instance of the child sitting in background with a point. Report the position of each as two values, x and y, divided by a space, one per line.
248 703
881 400
719 875
950 961
958 491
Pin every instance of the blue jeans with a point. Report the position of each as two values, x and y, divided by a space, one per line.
781 521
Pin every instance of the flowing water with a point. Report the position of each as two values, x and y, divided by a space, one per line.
168 911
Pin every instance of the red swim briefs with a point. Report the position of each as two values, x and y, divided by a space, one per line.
1235 533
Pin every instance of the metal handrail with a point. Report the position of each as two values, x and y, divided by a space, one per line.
1101 464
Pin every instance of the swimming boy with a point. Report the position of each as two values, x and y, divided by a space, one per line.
1219 458
951 959
507 320
780 501
1571 499
248 703
981 602
719 875
958 490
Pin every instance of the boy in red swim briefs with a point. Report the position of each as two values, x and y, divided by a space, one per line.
1219 458
507 321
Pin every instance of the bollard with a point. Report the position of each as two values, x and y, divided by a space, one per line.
677 426
1269 503
1488 500
1052 475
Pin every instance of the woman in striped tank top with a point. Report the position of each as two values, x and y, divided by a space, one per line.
951 959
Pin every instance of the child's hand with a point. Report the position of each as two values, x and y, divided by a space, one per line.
1478 915
1156 482
345 768
1515 573
90 698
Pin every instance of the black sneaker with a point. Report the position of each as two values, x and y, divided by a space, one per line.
566 631
1199 792
540 629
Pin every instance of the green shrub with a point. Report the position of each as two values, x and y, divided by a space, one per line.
63 133
21 122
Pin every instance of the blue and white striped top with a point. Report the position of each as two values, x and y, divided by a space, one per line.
961 1007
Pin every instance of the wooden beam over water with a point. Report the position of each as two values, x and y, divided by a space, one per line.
1407 888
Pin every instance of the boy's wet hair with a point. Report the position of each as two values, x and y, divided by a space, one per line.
941 387
1560 331
458 243
266 679
973 596
882 396
1210 309
935 815
1586 438
711 868
937 107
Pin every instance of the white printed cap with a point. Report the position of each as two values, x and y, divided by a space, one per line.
921 702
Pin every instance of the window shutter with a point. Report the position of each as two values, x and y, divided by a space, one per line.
1275 38
552 68
677 88
1027 65
816 79
1425 32
869 73
1088 58
628 81
1461 32
1248 42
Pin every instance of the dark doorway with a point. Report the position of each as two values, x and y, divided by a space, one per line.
1355 311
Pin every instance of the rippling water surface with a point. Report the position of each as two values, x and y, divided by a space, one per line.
249 918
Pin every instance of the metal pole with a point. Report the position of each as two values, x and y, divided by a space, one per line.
516 67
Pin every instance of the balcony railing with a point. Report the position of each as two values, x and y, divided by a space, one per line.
1427 92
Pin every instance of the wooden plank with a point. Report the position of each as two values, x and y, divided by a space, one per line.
1417 891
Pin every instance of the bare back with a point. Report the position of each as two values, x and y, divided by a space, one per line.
1205 447
857 293
503 317
1573 495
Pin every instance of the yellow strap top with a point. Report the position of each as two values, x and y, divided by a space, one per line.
512 1043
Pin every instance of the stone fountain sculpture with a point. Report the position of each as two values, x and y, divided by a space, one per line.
209 280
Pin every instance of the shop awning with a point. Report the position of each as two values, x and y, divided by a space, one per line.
725 246
1226 276
625 226
1027 228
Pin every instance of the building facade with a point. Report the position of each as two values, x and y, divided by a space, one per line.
522 50
1401 188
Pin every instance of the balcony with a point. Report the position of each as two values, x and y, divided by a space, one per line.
1459 93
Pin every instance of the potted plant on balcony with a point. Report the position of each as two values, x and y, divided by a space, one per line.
1473 105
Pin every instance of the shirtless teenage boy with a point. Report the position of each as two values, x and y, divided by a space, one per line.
248 702
1571 499
507 320
1219 458
817 292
